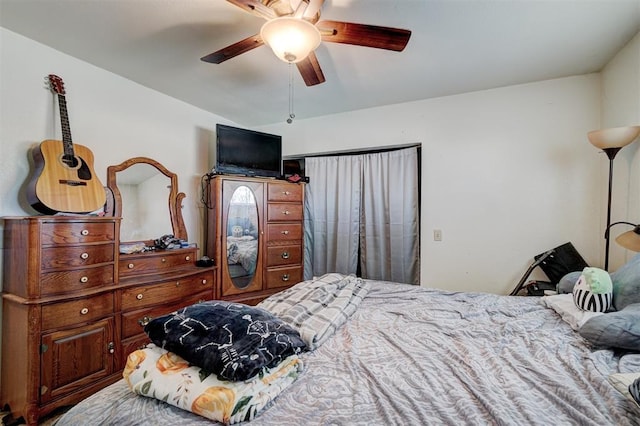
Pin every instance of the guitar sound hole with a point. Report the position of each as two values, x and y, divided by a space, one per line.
70 161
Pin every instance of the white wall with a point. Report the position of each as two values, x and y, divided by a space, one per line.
114 117
621 107
506 174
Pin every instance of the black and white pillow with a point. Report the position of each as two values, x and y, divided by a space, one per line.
588 300
232 340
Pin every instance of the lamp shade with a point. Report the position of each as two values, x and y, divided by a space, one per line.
630 239
615 137
291 39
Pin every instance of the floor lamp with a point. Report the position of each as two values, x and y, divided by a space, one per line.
630 239
611 141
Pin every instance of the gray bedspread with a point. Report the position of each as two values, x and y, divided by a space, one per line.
417 356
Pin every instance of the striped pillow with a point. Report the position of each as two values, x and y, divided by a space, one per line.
589 301
593 290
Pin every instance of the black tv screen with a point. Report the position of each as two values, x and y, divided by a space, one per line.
247 152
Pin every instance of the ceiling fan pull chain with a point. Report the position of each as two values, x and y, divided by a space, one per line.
291 114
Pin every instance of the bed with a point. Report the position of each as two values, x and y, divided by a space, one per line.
415 355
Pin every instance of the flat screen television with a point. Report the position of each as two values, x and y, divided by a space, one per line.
247 152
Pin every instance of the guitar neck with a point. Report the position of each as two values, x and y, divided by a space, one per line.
66 129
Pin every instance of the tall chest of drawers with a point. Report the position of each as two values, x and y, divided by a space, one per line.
58 307
255 235
74 308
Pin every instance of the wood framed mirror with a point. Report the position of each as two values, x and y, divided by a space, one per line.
145 194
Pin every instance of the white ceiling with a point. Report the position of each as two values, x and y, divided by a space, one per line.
456 46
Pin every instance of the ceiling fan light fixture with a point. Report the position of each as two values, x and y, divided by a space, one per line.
291 39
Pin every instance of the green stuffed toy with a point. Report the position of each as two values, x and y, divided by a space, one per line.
593 290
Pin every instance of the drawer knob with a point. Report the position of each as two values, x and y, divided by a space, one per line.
285 277
84 256
130 266
84 311
286 212
144 321
204 281
111 347
177 283
201 301
84 232
285 255
139 296
286 192
163 260
285 232
84 280
187 258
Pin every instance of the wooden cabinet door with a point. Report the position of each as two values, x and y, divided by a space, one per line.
76 357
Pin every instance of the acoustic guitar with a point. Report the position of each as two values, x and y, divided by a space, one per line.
64 179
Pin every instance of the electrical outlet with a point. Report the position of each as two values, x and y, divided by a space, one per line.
437 235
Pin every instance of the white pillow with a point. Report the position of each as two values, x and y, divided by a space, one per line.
564 305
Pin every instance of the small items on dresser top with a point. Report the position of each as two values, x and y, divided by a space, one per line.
166 242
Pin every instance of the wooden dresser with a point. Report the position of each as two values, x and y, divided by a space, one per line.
73 308
267 213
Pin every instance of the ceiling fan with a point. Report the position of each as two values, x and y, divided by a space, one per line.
304 16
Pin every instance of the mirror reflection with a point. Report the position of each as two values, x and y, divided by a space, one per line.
145 208
145 194
242 236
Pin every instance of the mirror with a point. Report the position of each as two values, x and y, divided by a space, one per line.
145 194
242 236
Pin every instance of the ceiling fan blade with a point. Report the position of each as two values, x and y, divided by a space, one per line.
364 35
234 50
254 7
310 70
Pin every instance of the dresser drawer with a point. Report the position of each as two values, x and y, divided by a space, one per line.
284 232
63 314
76 256
77 232
166 292
284 255
283 277
134 321
282 212
66 282
284 191
155 262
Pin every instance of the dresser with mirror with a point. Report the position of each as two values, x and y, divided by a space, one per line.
74 306
255 235
156 281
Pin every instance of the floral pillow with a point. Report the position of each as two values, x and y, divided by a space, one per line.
232 340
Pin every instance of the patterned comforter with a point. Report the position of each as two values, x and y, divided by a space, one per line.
412 355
